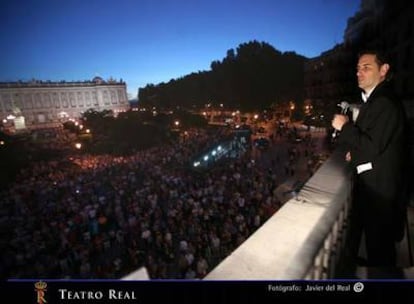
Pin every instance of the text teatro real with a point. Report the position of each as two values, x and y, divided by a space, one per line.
112 294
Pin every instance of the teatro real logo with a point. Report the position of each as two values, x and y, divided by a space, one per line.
40 288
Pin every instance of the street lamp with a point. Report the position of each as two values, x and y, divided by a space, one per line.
291 109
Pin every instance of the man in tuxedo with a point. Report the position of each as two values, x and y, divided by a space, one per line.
376 145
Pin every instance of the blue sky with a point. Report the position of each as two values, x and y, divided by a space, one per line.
153 41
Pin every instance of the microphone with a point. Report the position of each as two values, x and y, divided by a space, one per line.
344 105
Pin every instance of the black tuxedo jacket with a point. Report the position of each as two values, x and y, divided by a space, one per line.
378 137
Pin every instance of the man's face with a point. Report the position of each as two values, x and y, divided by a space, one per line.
369 73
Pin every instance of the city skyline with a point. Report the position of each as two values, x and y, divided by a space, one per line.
149 42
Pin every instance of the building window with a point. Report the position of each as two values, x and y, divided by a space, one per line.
17 101
121 98
113 97
88 98
105 98
7 106
64 100
46 100
80 99
72 100
38 101
95 99
28 101
56 100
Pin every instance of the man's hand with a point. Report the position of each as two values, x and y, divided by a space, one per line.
348 156
339 121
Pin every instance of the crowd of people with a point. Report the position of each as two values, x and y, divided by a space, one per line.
105 216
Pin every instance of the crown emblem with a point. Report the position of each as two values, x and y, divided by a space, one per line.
40 285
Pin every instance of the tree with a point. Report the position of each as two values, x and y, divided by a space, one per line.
253 76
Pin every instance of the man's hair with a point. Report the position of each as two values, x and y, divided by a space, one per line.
380 56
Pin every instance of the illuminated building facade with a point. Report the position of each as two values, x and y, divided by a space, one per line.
43 103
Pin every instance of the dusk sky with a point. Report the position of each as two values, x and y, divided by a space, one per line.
153 41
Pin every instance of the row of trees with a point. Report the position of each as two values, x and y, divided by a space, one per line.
131 131
253 76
